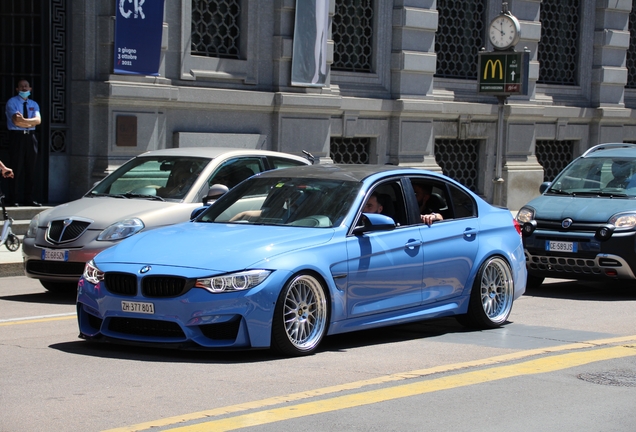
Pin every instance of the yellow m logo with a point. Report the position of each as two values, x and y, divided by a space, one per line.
493 65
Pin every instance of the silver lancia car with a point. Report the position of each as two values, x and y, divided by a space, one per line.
154 189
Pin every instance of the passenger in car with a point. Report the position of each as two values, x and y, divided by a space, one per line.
621 170
430 205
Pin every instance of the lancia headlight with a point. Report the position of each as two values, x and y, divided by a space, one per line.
526 214
93 274
33 227
121 230
231 282
623 221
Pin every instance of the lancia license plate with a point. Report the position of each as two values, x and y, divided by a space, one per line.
54 255
561 246
139 307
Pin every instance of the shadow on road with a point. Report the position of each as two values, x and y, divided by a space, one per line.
336 343
43 297
583 290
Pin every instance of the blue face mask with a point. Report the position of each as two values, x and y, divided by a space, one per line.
25 94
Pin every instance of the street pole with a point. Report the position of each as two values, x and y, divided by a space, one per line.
498 180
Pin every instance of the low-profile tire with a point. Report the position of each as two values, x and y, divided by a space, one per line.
301 316
60 287
534 282
491 296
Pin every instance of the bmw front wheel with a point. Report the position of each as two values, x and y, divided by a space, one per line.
491 297
301 316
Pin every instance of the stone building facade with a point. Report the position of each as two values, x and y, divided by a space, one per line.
401 88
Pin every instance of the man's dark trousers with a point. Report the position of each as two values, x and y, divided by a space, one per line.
23 152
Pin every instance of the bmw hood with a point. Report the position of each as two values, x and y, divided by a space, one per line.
579 208
215 247
104 211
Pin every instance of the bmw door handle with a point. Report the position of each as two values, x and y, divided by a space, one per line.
412 244
470 233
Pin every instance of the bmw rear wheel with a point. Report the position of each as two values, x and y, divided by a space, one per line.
301 316
491 297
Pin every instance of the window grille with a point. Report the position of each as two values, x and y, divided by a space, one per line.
631 51
460 35
558 47
352 33
216 28
350 150
459 160
554 156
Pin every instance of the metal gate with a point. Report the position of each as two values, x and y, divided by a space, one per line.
34 46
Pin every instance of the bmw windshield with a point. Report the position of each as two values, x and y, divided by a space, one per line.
304 202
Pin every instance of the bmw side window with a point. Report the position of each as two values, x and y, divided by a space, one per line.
390 198
431 197
462 205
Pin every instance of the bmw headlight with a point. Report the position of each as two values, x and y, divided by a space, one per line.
234 281
33 227
93 274
526 214
122 229
623 221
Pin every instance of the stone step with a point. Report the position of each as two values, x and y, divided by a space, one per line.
22 217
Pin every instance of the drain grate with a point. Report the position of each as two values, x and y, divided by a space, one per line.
617 378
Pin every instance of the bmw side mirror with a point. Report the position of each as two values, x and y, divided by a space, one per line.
370 222
196 212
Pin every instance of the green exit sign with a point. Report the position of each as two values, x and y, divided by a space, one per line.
503 73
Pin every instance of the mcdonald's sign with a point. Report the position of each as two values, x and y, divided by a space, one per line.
503 73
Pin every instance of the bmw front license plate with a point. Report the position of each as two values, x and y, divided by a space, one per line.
139 307
560 246
54 255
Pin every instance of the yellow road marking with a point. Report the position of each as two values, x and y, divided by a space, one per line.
542 365
464 379
37 320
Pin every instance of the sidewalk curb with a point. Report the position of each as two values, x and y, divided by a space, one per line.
11 269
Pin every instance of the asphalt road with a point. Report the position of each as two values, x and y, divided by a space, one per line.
566 361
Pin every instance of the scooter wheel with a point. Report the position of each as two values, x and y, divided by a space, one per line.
13 242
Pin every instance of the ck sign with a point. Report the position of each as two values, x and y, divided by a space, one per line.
134 8
138 34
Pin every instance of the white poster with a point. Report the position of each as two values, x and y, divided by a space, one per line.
309 59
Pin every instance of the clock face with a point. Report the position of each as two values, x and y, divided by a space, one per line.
503 32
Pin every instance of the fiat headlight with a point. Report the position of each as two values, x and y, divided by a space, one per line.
122 229
240 281
624 221
525 215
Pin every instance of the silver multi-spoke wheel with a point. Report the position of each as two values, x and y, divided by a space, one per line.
492 295
497 290
300 321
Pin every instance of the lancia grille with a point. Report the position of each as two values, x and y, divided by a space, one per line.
66 230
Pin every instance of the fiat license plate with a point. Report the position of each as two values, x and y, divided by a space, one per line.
139 307
54 255
560 246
